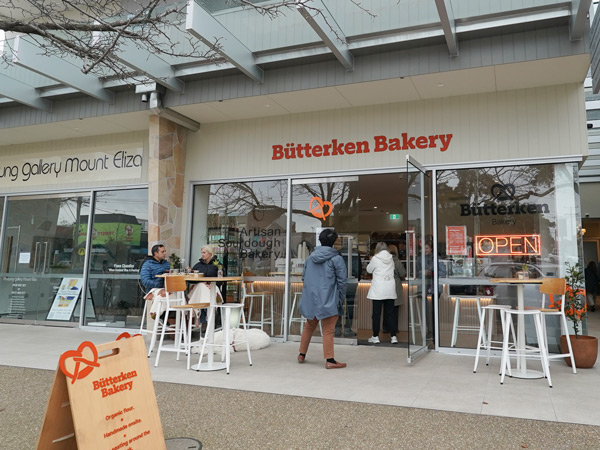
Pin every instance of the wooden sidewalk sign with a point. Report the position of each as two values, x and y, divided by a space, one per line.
103 399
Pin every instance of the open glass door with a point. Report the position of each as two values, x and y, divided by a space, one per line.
419 260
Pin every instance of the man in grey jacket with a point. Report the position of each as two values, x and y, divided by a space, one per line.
323 294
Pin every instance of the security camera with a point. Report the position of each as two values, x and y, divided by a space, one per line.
144 98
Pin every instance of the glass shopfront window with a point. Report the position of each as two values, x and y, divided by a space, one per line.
41 268
119 243
246 224
501 222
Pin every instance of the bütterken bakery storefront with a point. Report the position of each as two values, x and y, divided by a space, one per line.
465 188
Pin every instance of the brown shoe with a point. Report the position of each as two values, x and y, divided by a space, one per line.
301 359
336 365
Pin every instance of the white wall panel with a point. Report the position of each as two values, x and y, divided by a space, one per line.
509 125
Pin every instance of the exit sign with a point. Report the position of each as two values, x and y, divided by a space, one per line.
394 216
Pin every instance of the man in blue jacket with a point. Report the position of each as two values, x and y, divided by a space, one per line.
156 264
323 294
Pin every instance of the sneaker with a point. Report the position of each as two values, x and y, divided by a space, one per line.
373 340
394 340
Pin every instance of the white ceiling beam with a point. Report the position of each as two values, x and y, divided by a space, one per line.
209 30
150 65
324 24
23 93
29 56
579 12
444 8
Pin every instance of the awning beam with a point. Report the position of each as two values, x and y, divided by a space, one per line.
23 93
444 8
202 25
28 55
150 65
579 12
324 24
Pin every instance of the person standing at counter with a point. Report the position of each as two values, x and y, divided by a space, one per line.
382 292
591 284
399 274
323 293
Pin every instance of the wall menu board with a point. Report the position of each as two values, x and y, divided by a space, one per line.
103 399
65 299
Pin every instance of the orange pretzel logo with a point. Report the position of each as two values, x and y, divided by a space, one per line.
126 335
318 211
86 353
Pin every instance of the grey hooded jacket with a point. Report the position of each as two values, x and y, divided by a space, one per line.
324 278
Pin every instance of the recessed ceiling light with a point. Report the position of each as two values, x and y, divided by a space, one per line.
374 207
267 106
440 85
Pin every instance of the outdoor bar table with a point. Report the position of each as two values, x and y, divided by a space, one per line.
210 364
521 371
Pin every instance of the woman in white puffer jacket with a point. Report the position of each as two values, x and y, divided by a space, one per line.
382 291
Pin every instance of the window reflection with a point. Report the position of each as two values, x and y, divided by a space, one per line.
119 244
523 212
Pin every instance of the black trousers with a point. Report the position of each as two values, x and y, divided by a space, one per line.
389 316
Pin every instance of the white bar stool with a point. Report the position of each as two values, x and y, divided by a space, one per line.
486 342
521 349
299 319
226 309
192 309
143 331
248 293
175 296
456 327
553 288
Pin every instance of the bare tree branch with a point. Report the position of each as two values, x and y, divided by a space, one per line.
98 31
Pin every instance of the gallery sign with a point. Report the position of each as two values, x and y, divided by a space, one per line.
72 167
380 143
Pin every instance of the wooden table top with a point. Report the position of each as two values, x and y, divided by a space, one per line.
517 280
192 277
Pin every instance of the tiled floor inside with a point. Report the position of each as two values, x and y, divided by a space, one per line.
374 375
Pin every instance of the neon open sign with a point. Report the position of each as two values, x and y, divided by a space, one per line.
508 245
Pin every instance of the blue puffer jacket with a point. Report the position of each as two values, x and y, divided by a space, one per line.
151 268
325 275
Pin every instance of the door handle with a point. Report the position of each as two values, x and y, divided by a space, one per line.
411 260
45 268
35 257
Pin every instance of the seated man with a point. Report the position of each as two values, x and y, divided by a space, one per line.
156 264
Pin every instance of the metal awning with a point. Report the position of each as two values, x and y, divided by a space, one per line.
326 39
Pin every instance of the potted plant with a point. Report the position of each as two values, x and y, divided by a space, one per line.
175 261
585 348
523 274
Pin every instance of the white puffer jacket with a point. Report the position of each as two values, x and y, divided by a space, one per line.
383 285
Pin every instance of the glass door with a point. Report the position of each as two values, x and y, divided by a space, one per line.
419 261
318 204
41 271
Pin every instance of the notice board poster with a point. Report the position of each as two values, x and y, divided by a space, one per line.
65 299
456 240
